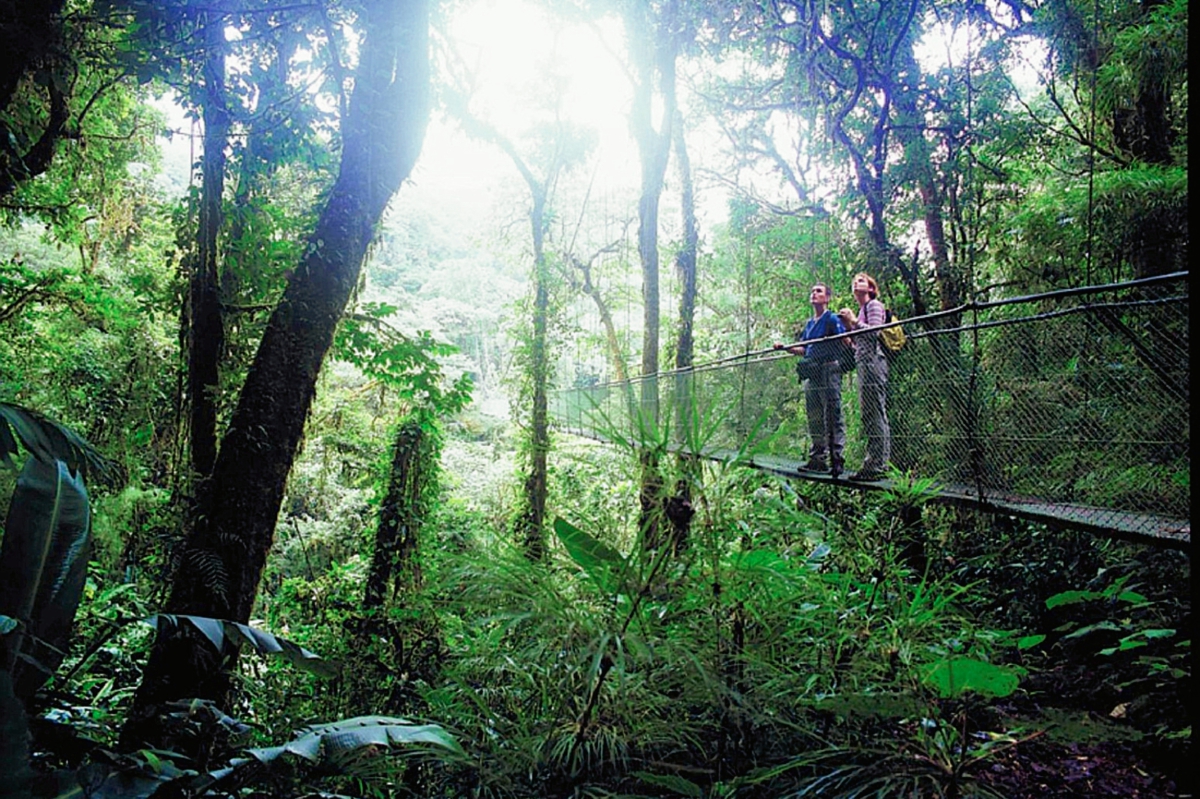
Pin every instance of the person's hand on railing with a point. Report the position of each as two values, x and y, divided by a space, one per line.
793 349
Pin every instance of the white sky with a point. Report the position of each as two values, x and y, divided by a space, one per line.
510 45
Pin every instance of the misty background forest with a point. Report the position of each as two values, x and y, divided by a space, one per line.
293 297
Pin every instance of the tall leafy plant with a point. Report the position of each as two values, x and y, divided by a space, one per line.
47 534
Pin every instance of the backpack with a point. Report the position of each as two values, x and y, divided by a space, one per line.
893 338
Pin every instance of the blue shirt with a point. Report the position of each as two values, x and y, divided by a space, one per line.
827 324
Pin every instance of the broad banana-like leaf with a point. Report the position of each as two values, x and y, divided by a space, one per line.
16 777
326 745
333 745
49 441
598 559
329 742
44 558
221 633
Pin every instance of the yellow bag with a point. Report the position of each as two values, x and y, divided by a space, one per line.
893 338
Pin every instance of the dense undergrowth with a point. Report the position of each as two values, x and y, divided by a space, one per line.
802 641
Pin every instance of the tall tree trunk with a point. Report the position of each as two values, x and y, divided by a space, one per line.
653 46
868 85
531 524
206 327
679 506
225 553
685 259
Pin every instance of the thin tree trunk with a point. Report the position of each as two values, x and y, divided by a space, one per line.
206 328
224 555
612 341
685 263
531 524
679 507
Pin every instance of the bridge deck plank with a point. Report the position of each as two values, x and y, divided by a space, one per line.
1142 527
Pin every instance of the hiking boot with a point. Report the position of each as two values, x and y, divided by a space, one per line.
815 465
836 466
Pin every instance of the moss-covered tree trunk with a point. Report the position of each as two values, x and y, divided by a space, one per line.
223 558
399 647
531 519
394 563
679 506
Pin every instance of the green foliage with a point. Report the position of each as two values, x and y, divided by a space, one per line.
405 363
1124 621
47 441
226 635
354 749
46 543
790 623
955 676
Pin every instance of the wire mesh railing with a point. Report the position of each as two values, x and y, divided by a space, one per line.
1074 401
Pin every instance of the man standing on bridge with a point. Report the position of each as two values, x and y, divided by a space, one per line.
822 383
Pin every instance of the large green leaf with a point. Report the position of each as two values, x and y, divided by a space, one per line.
333 747
586 550
44 558
955 676
221 633
605 565
328 743
48 441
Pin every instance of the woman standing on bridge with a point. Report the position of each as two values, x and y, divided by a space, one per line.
872 376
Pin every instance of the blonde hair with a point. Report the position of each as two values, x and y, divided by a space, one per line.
872 286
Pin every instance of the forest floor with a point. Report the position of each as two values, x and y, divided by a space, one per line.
1043 770
1113 759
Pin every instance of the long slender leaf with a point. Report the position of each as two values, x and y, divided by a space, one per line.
44 557
672 782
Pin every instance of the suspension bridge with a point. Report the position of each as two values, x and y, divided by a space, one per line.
1069 408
